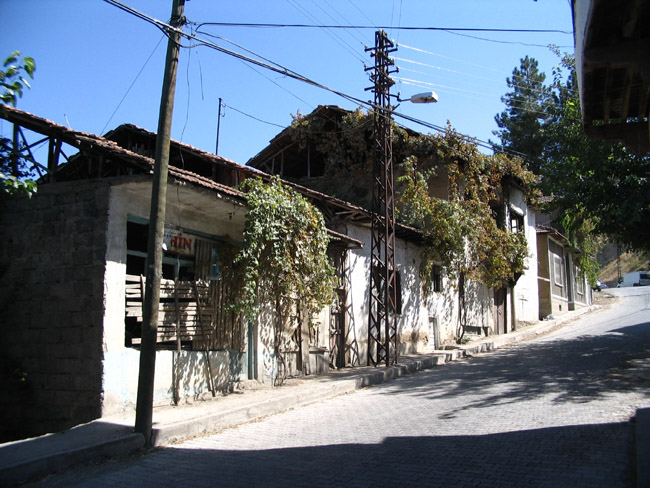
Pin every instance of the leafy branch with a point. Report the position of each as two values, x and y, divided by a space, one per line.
12 79
13 170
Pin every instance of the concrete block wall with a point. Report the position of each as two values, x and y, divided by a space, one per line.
52 260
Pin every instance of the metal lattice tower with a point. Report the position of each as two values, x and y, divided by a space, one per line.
382 323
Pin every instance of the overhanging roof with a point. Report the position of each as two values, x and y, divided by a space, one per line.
612 47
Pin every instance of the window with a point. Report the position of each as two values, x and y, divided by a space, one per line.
557 270
516 222
436 278
194 291
580 280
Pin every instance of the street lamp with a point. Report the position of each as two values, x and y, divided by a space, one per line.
425 97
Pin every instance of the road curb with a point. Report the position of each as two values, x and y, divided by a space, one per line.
24 468
642 433
28 469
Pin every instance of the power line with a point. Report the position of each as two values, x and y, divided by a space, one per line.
440 68
520 77
389 27
131 85
450 58
338 39
292 74
456 33
356 37
253 117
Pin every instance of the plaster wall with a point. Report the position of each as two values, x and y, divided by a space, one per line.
189 208
422 310
526 299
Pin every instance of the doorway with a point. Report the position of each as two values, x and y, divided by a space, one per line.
500 311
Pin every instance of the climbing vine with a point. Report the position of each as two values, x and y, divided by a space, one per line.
283 258
448 189
460 226
463 232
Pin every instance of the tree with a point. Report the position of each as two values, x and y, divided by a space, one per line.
522 124
598 189
13 169
12 80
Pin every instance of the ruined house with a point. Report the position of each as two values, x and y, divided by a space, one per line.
74 254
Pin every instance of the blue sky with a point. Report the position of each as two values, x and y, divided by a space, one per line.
99 67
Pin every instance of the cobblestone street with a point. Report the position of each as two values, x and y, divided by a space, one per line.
551 412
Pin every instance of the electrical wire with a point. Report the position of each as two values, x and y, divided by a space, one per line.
389 27
468 63
338 39
131 85
440 68
350 32
500 41
252 116
364 14
451 89
358 38
455 90
294 75
450 58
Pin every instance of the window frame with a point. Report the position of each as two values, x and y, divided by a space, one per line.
558 278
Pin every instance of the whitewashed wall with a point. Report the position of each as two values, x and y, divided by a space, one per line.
192 209
526 293
421 310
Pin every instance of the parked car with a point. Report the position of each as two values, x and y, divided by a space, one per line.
599 286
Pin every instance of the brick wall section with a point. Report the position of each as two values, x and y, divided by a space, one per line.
52 259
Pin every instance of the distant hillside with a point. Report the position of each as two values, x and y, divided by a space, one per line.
629 261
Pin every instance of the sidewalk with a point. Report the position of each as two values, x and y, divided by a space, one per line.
30 459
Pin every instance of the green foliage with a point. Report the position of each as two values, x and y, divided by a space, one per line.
522 124
284 256
597 188
461 232
14 186
13 169
347 149
12 79
442 221
581 234
459 226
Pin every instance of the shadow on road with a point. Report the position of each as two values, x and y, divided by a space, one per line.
532 458
577 370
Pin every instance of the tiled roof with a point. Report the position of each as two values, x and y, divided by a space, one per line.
93 142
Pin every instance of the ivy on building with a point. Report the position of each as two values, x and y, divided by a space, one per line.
283 259
461 223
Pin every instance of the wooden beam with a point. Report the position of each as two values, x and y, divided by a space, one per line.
625 98
633 54
634 135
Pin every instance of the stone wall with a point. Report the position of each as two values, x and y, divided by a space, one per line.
52 259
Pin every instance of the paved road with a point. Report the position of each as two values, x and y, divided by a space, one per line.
552 412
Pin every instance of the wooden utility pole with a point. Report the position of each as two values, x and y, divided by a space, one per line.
144 406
